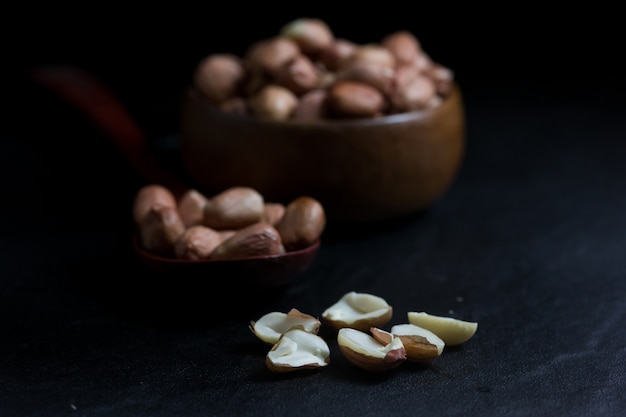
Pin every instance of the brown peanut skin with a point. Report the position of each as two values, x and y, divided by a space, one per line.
403 75
351 99
273 213
403 45
267 56
302 224
148 196
226 233
416 94
378 76
336 54
443 78
259 239
299 75
311 35
372 53
191 207
423 62
197 243
311 106
273 102
234 208
219 76
159 230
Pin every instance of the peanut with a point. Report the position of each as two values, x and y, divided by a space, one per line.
302 224
311 106
442 76
417 94
403 45
337 53
298 75
259 239
149 196
268 55
377 75
197 242
273 102
373 54
191 207
355 99
219 76
159 230
311 35
233 208
273 212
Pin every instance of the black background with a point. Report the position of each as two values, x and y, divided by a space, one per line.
528 241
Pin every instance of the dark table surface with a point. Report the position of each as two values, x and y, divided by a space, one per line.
529 241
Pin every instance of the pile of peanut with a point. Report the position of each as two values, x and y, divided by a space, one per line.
236 223
305 72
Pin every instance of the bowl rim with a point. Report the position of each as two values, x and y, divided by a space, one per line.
415 115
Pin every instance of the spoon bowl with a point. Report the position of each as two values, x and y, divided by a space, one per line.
250 273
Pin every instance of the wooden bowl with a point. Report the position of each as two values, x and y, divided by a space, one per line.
360 170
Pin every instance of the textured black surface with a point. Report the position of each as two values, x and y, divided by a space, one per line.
529 241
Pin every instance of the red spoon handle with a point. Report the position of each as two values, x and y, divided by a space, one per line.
95 101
